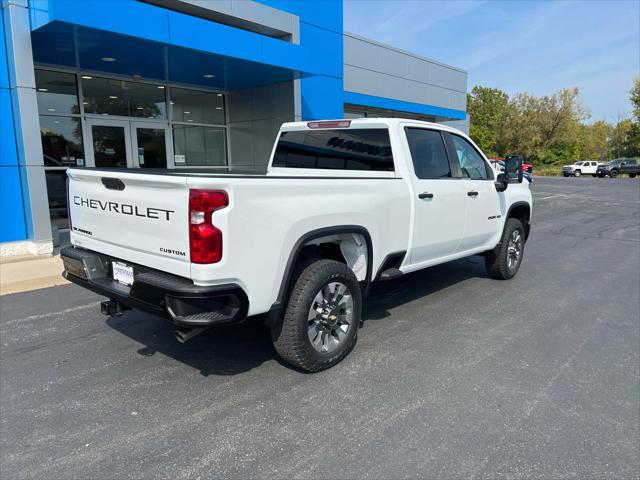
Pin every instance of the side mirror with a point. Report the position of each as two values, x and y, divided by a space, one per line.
501 182
513 169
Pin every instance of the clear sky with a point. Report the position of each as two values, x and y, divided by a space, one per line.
519 46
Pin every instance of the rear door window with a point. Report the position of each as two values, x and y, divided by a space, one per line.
335 149
428 153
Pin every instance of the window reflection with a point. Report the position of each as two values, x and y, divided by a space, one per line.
61 141
56 93
190 106
199 146
57 194
127 99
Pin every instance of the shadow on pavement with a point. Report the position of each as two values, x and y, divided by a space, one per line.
239 348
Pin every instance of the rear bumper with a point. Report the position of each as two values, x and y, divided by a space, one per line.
153 291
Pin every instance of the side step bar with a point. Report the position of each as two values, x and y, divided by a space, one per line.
390 274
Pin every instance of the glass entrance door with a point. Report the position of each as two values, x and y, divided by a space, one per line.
110 143
127 144
150 146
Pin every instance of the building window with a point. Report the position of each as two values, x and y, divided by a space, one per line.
104 96
199 131
61 136
199 146
57 93
192 106
61 141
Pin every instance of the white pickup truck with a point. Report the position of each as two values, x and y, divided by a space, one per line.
343 203
590 167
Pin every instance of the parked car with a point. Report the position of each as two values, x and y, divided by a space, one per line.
631 167
343 203
618 166
589 167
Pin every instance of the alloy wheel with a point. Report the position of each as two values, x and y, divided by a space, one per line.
514 250
330 317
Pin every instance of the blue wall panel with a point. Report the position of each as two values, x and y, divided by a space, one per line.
322 98
125 16
12 224
320 52
12 211
8 153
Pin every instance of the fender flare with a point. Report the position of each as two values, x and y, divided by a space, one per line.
287 277
515 205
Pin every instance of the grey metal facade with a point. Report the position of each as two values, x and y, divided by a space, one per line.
380 70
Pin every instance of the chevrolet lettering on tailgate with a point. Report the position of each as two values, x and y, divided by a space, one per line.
123 208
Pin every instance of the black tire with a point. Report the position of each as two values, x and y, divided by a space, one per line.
498 266
594 175
613 173
565 174
632 175
577 173
290 337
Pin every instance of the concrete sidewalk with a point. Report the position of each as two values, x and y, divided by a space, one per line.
30 272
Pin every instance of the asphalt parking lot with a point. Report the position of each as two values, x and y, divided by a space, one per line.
454 375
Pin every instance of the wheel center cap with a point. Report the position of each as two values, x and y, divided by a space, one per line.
332 317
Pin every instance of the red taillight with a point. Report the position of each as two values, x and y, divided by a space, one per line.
330 124
205 240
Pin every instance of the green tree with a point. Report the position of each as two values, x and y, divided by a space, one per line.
621 139
632 145
634 96
593 139
487 108
545 129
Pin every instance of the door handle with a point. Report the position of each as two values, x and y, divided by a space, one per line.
425 195
472 194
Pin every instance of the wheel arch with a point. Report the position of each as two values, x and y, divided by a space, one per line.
304 240
521 211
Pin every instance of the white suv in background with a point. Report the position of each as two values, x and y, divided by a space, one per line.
580 168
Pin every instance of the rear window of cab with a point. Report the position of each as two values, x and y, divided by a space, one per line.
335 149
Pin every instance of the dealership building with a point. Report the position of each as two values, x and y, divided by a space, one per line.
182 84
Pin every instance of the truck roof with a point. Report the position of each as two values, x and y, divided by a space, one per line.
367 122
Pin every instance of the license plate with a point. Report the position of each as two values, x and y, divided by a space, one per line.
122 273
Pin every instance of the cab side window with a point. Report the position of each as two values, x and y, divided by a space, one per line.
472 165
428 153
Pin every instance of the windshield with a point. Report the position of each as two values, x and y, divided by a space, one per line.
577 163
616 162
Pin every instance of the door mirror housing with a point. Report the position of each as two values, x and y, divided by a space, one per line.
501 182
513 169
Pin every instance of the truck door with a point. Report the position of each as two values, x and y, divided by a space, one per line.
439 198
483 203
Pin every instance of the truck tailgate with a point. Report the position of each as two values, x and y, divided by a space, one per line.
137 217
